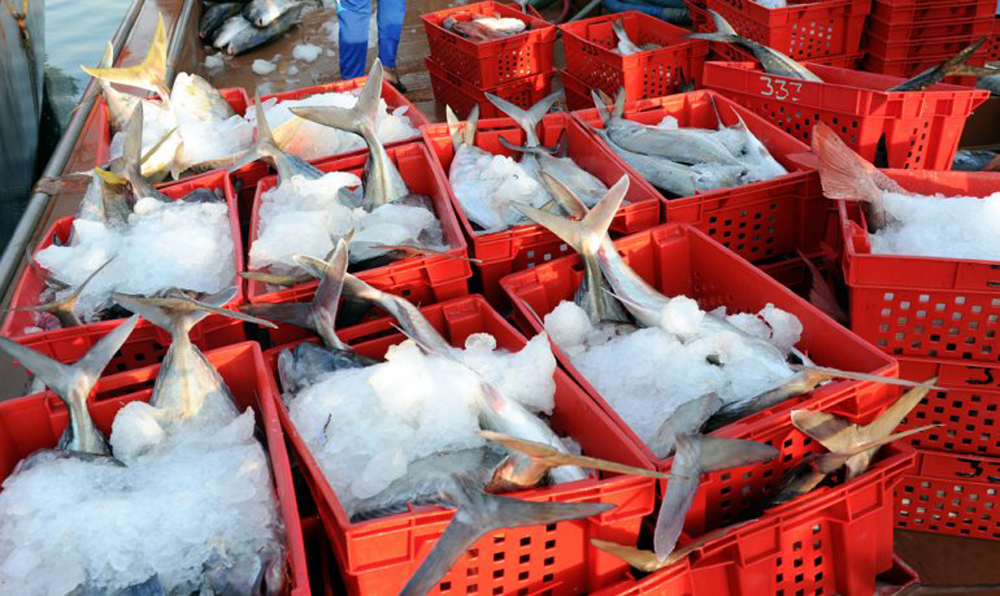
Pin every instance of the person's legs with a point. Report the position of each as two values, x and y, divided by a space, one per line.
354 16
390 26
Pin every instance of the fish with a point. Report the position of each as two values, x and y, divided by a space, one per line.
319 315
107 199
821 294
286 164
188 387
527 119
846 175
936 74
73 384
132 154
695 455
214 16
687 420
383 183
625 45
987 78
585 186
841 436
262 13
120 105
194 96
647 561
225 33
150 74
250 37
771 60
301 366
64 308
974 160
483 29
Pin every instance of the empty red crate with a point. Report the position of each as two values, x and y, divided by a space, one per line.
148 343
923 306
801 30
592 58
524 246
921 128
377 556
951 493
680 260
490 63
35 422
249 175
234 96
912 12
833 540
966 407
451 90
421 279
759 221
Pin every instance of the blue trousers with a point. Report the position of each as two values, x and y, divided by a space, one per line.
354 17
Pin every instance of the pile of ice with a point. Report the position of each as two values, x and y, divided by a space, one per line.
312 140
366 426
757 163
192 500
164 245
939 226
200 135
486 185
645 374
309 216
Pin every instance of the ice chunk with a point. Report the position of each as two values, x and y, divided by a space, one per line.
954 227
214 61
135 431
645 374
262 67
306 52
486 185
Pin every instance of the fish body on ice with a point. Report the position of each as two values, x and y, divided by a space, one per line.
485 28
250 37
228 31
214 16
264 12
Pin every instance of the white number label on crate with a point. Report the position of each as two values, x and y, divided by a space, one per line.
781 89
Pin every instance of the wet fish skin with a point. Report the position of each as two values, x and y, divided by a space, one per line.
214 16
971 160
935 75
120 105
527 119
64 308
625 45
287 164
73 384
686 420
772 61
301 366
228 31
262 13
251 37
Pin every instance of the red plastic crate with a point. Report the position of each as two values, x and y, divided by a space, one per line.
490 63
251 174
678 259
897 32
524 246
921 128
909 67
951 493
234 96
834 540
377 556
801 30
759 221
993 45
451 90
965 407
889 52
923 306
909 12
421 279
576 91
148 343
35 422
591 56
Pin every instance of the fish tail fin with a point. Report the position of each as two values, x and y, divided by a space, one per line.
971 70
821 293
695 455
63 308
933 75
563 195
888 420
956 62
843 173
586 235
177 312
827 372
359 119
687 418
618 110
619 28
643 560
150 74
320 315
479 514
462 133
73 383
601 102
527 119
536 150
724 32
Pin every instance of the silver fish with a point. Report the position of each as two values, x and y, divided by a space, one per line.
265 147
770 59
234 25
120 105
584 185
687 420
64 308
382 182
528 119
188 386
73 384
935 75
251 37
150 74
301 366
214 16
262 13
625 45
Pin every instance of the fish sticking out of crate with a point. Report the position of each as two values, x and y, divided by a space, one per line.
237 27
484 28
626 47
